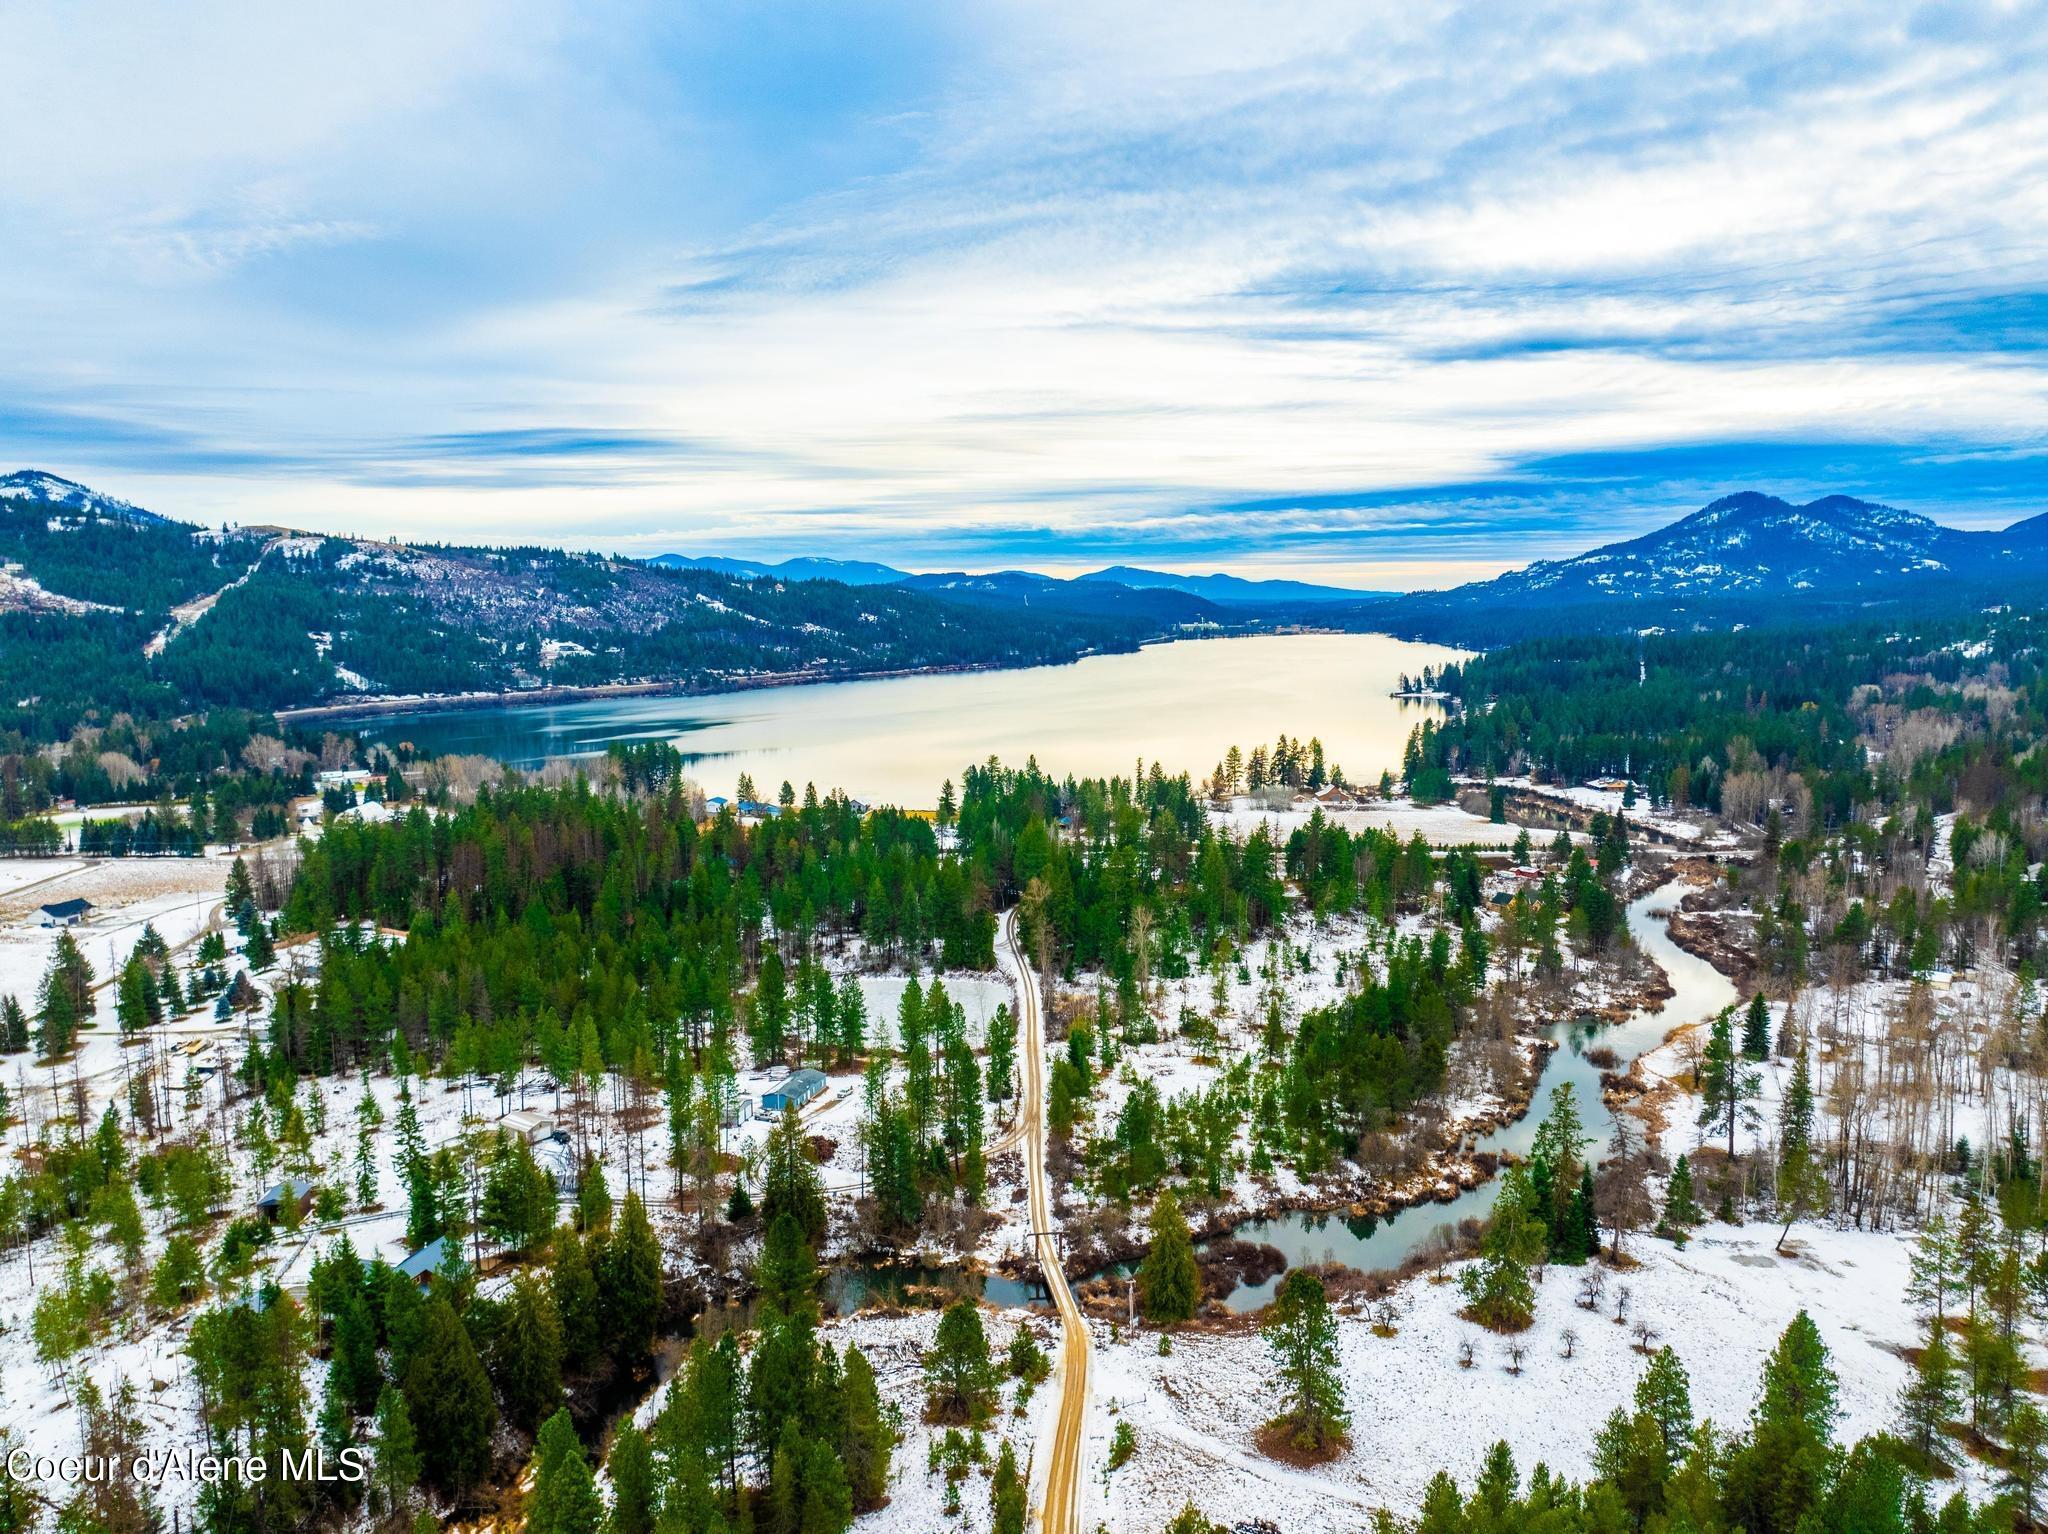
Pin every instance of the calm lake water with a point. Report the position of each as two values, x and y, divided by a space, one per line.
894 741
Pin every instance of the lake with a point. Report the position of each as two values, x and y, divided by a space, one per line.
895 740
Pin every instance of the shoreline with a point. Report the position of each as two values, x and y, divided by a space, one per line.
461 702
385 705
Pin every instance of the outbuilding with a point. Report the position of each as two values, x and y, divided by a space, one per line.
294 1192
66 913
797 1089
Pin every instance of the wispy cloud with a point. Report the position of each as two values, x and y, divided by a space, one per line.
1313 284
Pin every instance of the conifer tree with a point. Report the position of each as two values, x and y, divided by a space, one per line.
1664 1394
1933 1276
868 1441
630 1465
1301 1336
790 1183
1756 1029
629 1283
574 1288
448 1398
564 1498
1681 1210
1169 1279
960 1378
526 1353
1802 1174
1931 1395
1727 1084
397 1460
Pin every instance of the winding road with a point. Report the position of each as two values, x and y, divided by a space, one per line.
1060 1510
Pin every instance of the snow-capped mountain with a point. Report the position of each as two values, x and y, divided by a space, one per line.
48 490
1748 558
1752 545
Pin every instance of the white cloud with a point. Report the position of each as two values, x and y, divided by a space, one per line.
1095 270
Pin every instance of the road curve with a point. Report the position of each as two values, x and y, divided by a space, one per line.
1060 1512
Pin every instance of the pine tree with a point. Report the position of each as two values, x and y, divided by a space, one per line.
397 1454
1756 1029
1726 1084
960 1378
1664 1394
1301 1335
2026 1467
789 1178
1802 1174
1934 1275
1007 1494
564 1498
634 1486
526 1355
13 1027
786 1274
868 1440
1681 1211
1779 1473
449 1400
574 1288
354 1370
629 1283
1169 1279
1931 1395
1497 1287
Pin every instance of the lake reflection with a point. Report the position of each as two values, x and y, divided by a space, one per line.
893 741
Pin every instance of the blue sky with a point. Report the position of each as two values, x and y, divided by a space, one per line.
1394 295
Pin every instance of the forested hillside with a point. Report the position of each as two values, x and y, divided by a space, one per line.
89 630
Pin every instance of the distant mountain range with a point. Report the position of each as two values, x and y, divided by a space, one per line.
106 607
1747 557
1234 590
848 572
109 608
1025 588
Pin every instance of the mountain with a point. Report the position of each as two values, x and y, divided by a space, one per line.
1748 557
1162 608
115 609
848 572
1232 590
64 497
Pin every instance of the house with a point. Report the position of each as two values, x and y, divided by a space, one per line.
1334 798
797 1089
1610 785
341 777
422 1265
66 913
1941 979
295 1191
530 1124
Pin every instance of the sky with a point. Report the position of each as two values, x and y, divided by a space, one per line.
1384 295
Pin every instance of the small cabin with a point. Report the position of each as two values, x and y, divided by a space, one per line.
295 1193
66 913
796 1090
736 1109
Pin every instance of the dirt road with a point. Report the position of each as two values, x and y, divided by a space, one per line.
1060 1512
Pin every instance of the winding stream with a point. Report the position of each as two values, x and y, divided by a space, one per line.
1307 1236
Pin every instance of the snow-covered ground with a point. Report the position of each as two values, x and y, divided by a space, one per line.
1721 1303
1442 825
